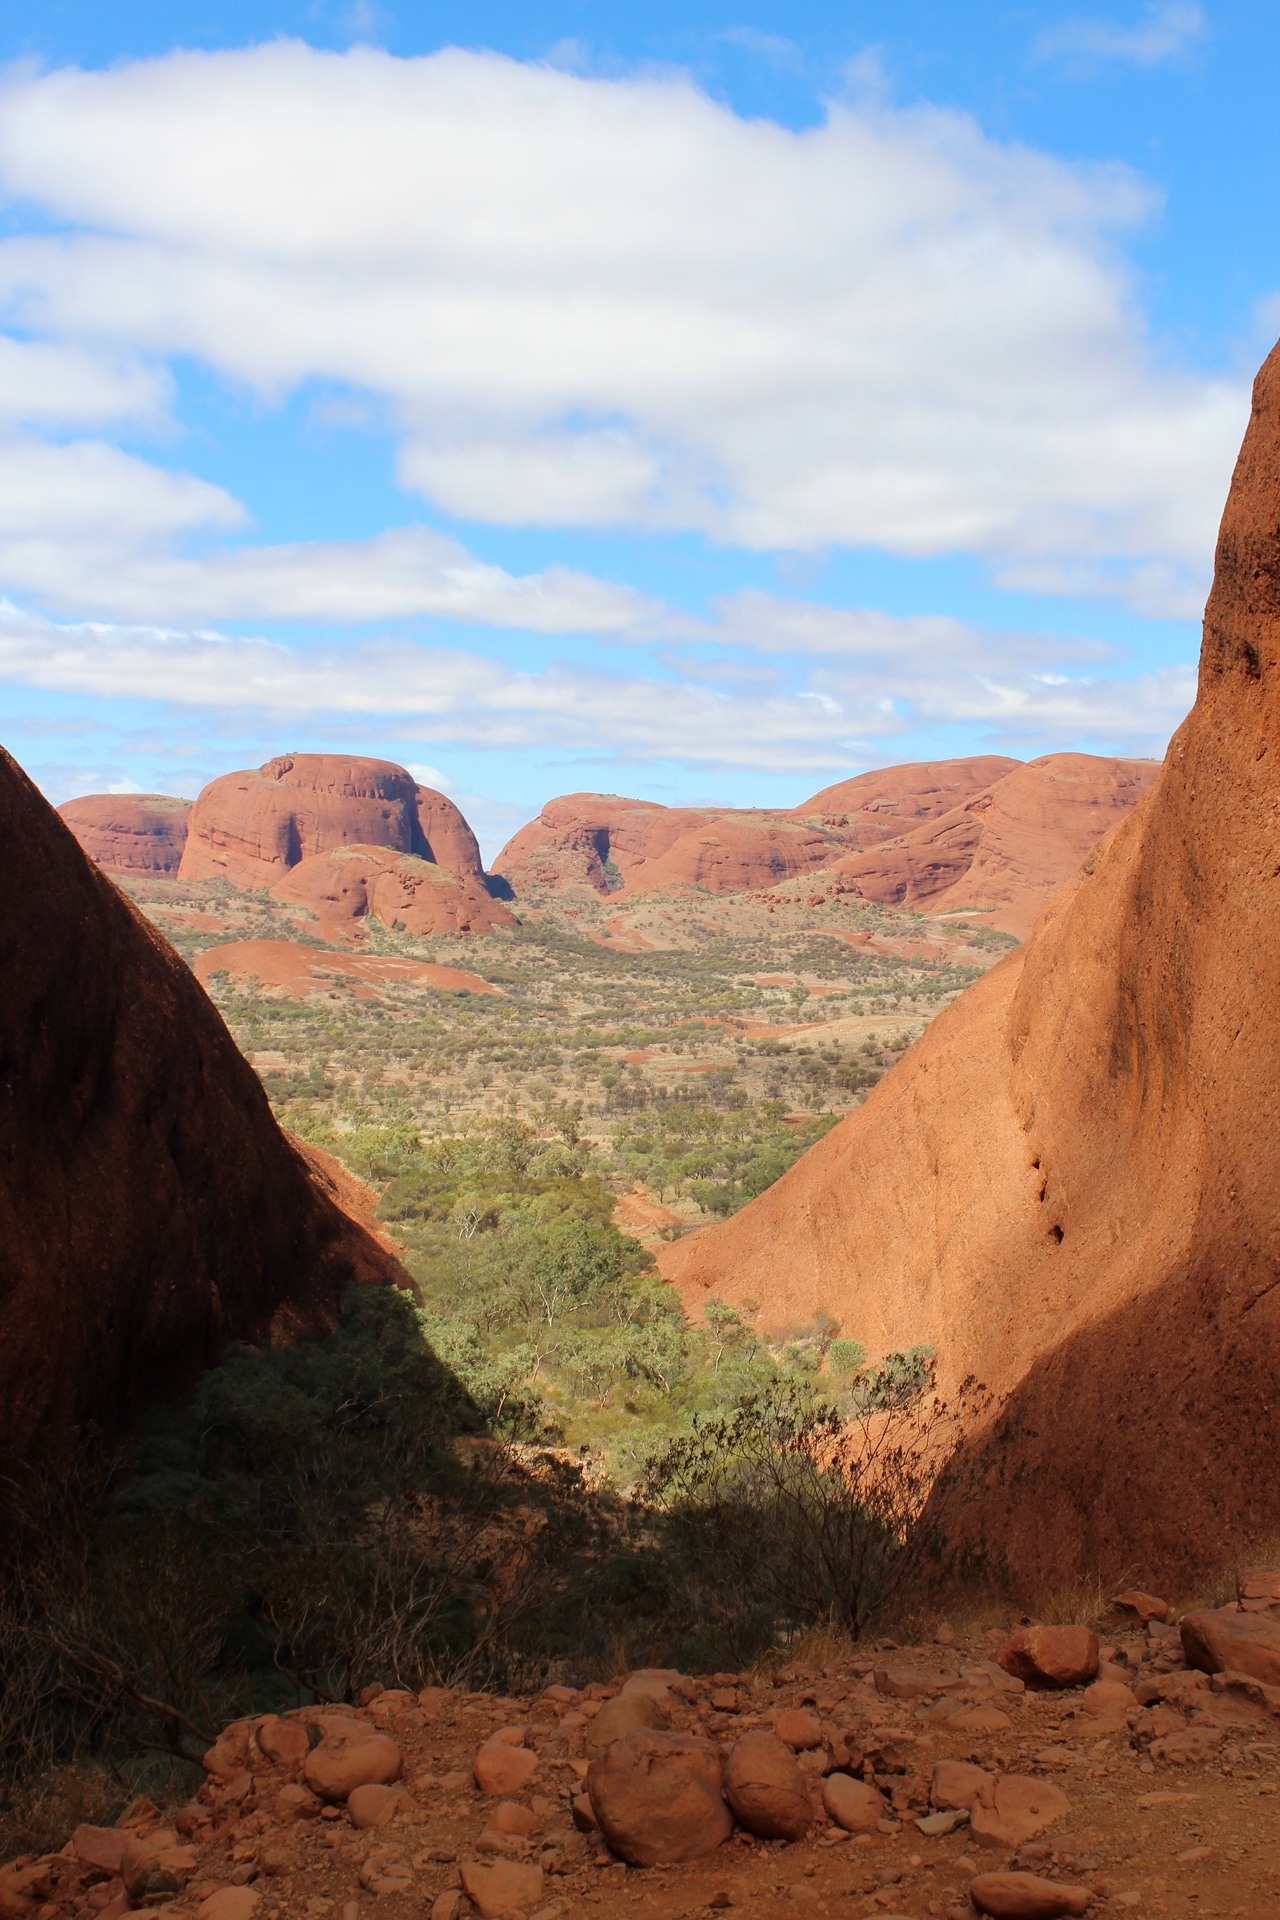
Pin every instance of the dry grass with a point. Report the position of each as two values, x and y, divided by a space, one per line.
1220 1589
37 1818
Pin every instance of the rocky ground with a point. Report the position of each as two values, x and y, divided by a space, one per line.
1032 1774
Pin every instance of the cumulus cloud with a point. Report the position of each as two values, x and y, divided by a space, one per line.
1165 34
844 711
44 384
392 576
612 301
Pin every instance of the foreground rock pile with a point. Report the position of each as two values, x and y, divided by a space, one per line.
1024 1777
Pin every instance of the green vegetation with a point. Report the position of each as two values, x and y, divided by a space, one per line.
342 1511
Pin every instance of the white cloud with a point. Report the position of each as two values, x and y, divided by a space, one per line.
840 713
50 385
87 497
606 301
409 571
1167 32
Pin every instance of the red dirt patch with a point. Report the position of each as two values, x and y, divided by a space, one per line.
303 970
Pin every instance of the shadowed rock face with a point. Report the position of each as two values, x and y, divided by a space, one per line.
1068 1185
130 832
150 1207
251 827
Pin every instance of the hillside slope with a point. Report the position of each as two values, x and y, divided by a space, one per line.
150 1207
1010 847
1068 1185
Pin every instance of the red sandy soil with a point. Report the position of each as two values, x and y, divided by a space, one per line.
303 970
130 832
1115 1818
1068 1185
150 1207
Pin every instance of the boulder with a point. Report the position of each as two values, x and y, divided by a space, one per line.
1013 1807
151 1209
622 1715
957 1783
659 1798
283 1742
1023 1896
1136 1608
101 1847
1109 1697
1220 1637
510 1817
501 1769
1051 1656
506 1887
765 1788
800 1730
386 1870
155 1865
852 1804
130 832
344 1761
980 1718
230 1903
296 1803
906 1683
1260 1589
22 1889
375 1805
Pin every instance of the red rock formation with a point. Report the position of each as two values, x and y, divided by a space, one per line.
251 827
130 832
446 837
150 1207
601 841
1068 1185
400 889
879 805
1012 845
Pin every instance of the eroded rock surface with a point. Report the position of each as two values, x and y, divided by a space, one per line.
130 832
1067 1186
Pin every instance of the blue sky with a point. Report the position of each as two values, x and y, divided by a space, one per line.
699 402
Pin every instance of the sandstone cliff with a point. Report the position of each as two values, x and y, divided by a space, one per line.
130 832
1068 1185
150 1207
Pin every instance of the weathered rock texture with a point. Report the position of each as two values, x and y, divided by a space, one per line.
130 832
1068 1185
251 827
348 884
1011 846
942 835
150 1207
598 840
